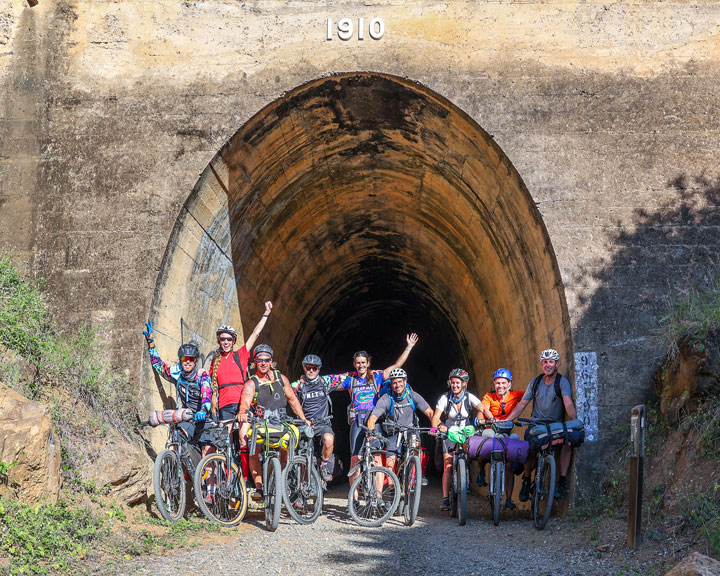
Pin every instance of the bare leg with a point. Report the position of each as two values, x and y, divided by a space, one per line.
565 458
447 474
328 445
256 471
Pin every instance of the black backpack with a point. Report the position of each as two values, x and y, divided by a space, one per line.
558 392
466 403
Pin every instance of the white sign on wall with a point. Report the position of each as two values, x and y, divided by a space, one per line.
346 28
586 388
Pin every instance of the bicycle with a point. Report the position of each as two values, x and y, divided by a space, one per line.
227 503
460 481
498 465
543 488
174 466
272 475
409 470
377 487
303 485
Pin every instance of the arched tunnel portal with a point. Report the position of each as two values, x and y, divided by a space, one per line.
367 206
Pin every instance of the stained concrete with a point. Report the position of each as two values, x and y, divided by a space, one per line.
605 112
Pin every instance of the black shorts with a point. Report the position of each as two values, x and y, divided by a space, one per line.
323 429
191 428
394 447
228 412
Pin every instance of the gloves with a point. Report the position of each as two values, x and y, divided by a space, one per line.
433 431
148 332
200 416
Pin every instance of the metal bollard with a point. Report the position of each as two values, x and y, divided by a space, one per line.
637 439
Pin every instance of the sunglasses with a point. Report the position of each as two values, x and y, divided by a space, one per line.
263 360
311 367
502 408
226 338
188 359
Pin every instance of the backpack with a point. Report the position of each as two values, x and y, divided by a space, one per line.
243 372
326 387
466 403
392 400
558 392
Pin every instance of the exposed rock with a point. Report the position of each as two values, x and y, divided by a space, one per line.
692 373
29 444
696 564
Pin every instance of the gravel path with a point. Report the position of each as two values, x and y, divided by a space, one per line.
436 544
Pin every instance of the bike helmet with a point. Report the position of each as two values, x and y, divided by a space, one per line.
262 348
397 373
225 328
549 354
188 350
312 359
459 373
502 373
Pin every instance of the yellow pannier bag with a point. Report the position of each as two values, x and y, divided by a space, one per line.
276 436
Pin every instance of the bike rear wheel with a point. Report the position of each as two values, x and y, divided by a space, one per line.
226 503
462 480
273 494
169 485
544 490
378 493
413 486
302 490
498 486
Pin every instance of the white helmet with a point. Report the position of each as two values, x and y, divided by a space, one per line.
549 354
398 373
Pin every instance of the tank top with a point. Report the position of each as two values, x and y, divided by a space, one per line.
270 395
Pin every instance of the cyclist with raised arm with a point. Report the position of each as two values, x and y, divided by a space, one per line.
398 406
364 386
229 368
498 405
551 395
192 385
313 391
454 408
269 392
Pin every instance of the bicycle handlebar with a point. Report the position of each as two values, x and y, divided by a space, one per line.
373 433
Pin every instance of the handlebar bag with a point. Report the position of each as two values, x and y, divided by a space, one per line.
278 438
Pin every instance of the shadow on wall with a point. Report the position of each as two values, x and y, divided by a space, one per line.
671 250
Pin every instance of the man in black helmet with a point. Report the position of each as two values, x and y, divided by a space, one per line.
313 391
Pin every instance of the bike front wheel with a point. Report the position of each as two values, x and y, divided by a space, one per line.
413 486
378 495
220 490
302 490
462 486
273 494
498 485
544 490
169 485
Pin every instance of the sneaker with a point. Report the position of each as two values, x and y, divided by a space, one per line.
424 481
481 478
256 495
325 472
210 494
524 495
445 506
509 505
560 490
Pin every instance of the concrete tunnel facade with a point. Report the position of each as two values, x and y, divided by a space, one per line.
366 206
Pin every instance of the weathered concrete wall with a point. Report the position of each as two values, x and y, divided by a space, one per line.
608 112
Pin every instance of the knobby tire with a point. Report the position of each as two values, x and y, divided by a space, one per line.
498 470
544 490
462 478
413 487
273 494
302 491
373 509
229 505
169 485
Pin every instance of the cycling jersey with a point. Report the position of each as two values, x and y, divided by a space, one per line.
313 395
363 396
455 417
495 402
231 377
270 395
193 394
403 411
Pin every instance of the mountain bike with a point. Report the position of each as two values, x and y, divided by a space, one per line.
498 465
218 480
409 469
271 435
303 485
174 466
460 481
543 487
377 487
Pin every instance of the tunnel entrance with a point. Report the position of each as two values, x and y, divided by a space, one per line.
367 206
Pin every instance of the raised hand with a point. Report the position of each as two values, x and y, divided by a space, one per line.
148 332
412 339
268 307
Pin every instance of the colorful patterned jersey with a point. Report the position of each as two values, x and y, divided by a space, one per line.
193 395
363 396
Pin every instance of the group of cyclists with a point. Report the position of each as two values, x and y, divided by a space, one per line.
244 381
